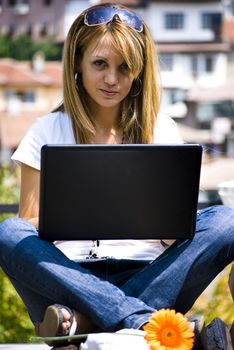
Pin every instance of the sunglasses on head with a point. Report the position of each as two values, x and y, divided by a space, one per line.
102 15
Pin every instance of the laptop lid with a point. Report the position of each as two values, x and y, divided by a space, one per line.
119 191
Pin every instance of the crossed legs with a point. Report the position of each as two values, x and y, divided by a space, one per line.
43 275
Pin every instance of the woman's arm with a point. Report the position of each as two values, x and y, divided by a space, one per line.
166 132
168 241
29 194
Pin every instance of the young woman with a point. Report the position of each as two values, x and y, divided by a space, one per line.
111 93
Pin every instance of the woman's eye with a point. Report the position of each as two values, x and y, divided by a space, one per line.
124 67
99 63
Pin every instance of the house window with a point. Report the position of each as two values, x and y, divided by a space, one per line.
194 65
44 30
230 9
29 30
173 98
11 30
209 64
174 20
12 2
207 111
29 96
47 2
211 21
167 61
22 96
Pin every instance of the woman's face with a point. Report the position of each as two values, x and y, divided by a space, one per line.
105 75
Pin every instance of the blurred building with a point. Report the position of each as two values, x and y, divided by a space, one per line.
36 18
194 39
189 40
27 90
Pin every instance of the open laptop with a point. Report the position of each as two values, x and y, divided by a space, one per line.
119 191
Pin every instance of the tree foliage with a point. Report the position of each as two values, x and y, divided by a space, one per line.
4 46
216 300
15 324
22 47
9 184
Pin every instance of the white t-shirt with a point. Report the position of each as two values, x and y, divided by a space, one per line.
56 128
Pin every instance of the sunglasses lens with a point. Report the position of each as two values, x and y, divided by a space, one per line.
98 16
131 20
101 15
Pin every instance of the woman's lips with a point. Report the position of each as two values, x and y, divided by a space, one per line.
109 92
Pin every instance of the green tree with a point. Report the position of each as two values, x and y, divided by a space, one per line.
15 324
51 51
4 46
216 301
22 47
9 184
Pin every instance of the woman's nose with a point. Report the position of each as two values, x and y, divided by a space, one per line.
111 77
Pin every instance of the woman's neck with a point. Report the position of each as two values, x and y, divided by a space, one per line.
106 119
110 136
107 124
108 131
107 128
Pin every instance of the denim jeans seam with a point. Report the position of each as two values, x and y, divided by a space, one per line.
140 322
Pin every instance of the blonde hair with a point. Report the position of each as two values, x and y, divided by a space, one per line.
141 106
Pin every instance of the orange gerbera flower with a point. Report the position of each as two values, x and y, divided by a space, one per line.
168 330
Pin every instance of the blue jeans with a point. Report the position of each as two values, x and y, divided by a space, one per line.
114 293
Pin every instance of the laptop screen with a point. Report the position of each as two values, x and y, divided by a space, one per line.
119 191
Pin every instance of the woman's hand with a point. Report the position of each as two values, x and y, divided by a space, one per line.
169 241
29 194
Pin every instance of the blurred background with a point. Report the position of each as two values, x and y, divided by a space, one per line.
195 43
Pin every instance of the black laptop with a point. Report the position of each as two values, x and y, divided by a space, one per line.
119 191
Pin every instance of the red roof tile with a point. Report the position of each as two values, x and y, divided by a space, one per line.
14 128
22 73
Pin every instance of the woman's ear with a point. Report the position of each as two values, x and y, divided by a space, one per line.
78 68
78 65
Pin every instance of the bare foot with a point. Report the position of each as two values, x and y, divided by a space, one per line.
192 326
66 323
84 324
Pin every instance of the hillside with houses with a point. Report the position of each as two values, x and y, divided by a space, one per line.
194 41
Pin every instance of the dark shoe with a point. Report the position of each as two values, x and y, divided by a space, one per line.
232 333
51 326
199 332
218 336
